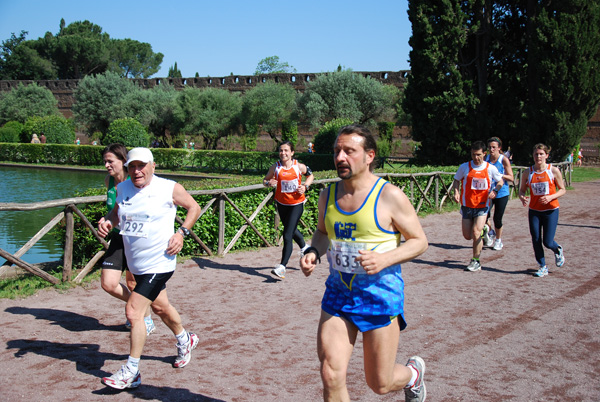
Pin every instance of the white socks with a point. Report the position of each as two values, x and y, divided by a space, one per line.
183 338
133 364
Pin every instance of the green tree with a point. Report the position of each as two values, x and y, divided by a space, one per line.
212 113
349 95
155 108
132 59
272 65
97 99
19 60
266 106
25 101
127 131
81 49
174 72
525 71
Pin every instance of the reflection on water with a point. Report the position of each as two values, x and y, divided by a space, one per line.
22 185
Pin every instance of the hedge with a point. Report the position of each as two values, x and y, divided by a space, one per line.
165 158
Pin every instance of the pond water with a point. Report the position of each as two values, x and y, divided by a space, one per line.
33 184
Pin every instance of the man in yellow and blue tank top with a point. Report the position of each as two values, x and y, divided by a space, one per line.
361 221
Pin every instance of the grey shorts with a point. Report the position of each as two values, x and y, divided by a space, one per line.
472 213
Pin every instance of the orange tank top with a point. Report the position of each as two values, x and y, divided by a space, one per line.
541 184
476 187
288 181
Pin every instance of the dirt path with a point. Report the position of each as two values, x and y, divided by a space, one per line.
495 335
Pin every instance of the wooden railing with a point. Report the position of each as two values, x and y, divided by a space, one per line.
425 190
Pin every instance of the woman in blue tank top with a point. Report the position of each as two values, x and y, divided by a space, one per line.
496 158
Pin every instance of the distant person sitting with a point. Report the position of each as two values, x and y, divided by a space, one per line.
42 138
35 139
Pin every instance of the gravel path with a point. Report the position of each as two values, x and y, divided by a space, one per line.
495 335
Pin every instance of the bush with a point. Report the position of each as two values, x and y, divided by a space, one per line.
57 129
8 134
17 126
127 131
326 137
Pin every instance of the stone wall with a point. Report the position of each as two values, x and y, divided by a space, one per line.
63 91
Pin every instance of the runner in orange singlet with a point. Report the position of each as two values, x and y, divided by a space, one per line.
476 178
286 176
545 185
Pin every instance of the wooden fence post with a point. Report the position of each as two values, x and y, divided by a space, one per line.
68 259
437 191
221 245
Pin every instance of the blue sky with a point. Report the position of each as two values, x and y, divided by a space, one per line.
216 38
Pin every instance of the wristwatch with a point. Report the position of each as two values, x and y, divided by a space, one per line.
183 231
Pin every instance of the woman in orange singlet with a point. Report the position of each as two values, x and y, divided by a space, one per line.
545 185
286 176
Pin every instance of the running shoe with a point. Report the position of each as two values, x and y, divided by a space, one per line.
485 234
418 392
150 327
559 258
123 379
473 266
543 271
492 233
498 244
184 352
301 252
279 271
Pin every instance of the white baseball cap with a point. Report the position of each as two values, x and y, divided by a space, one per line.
139 154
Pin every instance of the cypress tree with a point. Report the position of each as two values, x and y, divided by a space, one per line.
523 70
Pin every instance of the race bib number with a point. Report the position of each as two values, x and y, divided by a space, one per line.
289 186
342 256
135 225
479 184
542 188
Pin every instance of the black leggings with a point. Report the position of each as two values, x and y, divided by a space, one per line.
290 216
499 207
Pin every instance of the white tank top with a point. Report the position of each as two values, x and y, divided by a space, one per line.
146 218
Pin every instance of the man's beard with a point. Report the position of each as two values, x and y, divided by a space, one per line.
347 174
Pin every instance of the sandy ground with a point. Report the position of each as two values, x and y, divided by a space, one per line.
500 334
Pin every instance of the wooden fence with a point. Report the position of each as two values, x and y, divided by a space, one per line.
425 190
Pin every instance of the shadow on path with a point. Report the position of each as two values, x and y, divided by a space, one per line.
66 319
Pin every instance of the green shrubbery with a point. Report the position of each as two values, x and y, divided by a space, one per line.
326 137
9 134
57 129
127 131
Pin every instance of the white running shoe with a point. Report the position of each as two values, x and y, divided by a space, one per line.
543 271
498 244
473 266
184 352
485 234
301 252
150 327
279 271
123 379
418 392
559 258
